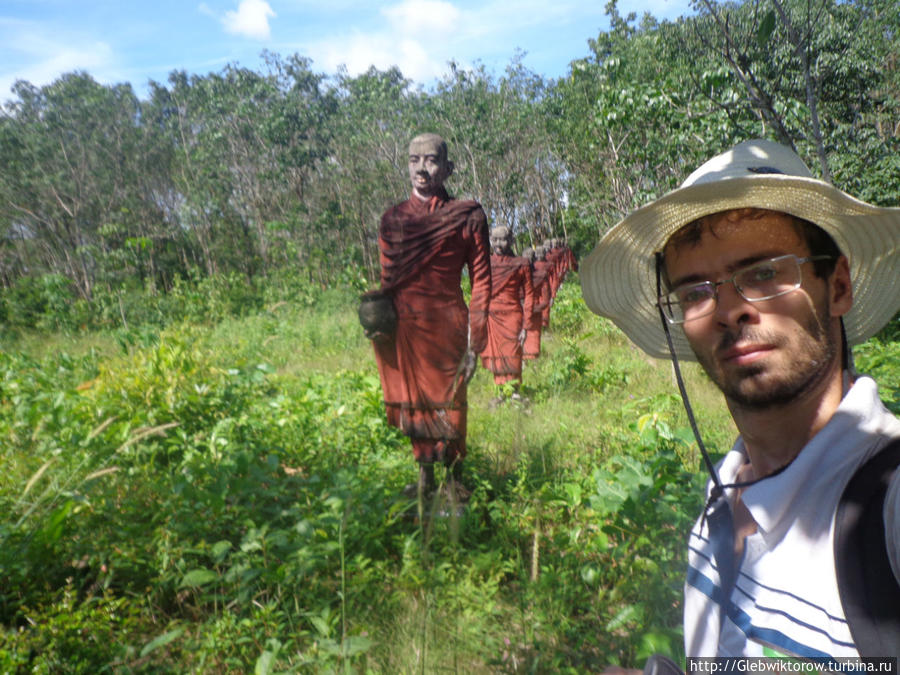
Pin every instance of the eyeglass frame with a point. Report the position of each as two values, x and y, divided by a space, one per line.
661 300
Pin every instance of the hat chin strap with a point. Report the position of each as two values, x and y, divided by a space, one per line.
848 364
718 488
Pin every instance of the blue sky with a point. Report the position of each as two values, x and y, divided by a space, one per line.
138 41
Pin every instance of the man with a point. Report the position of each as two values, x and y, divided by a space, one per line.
512 300
765 276
429 358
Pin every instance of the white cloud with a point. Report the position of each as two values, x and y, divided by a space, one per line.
419 37
422 36
359 52
250 20
41 55
423 18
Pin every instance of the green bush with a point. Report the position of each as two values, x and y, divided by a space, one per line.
43 302
227 498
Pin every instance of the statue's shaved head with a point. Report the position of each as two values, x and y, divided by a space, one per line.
428 144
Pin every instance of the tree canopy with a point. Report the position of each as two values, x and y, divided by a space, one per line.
244 172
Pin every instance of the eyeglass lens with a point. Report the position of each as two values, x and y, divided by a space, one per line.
760 281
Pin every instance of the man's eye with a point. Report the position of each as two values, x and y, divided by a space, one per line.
693 295
762 273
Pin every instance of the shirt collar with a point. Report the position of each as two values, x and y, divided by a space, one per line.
830 456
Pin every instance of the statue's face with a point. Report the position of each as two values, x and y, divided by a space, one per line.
428 165
501 241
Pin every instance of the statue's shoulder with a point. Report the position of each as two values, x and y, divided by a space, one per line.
475 206
471 209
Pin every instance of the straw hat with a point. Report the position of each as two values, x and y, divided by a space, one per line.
619 277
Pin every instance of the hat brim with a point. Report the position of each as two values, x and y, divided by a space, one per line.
619 277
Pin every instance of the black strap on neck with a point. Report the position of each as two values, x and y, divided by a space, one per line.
718 488
848 363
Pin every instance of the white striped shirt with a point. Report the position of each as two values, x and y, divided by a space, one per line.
785 599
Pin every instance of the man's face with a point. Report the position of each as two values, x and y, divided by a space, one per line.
428 166
501 241
761 354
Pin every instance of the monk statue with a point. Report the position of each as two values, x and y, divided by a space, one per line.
534 324
552 255
424 336
512 300
544 281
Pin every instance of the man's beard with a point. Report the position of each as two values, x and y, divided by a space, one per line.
817 349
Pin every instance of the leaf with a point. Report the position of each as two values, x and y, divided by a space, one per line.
626 614
613 489
199 577
766 27
573 494
656 642
219 549
321 625
264 663
161 640
356 644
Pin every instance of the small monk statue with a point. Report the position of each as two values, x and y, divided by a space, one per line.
542 280
512 300
426 353
531 349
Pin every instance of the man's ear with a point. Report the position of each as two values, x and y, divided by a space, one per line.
840 288
450 167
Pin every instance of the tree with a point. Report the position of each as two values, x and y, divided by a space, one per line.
502 147
71 154
811 74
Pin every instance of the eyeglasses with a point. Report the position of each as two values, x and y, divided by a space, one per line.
760 281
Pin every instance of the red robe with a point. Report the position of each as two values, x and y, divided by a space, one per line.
543 279
424 246
554 257
534 324
512 299
571 263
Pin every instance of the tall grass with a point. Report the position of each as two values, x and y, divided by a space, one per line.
225 497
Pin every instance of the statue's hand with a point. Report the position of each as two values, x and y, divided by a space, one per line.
376 335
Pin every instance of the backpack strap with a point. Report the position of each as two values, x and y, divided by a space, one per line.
870 594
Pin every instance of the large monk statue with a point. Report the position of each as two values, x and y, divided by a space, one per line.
512 300
426 349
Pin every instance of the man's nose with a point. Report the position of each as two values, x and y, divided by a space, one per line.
732 308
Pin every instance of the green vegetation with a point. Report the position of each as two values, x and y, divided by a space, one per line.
197 473
227 497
